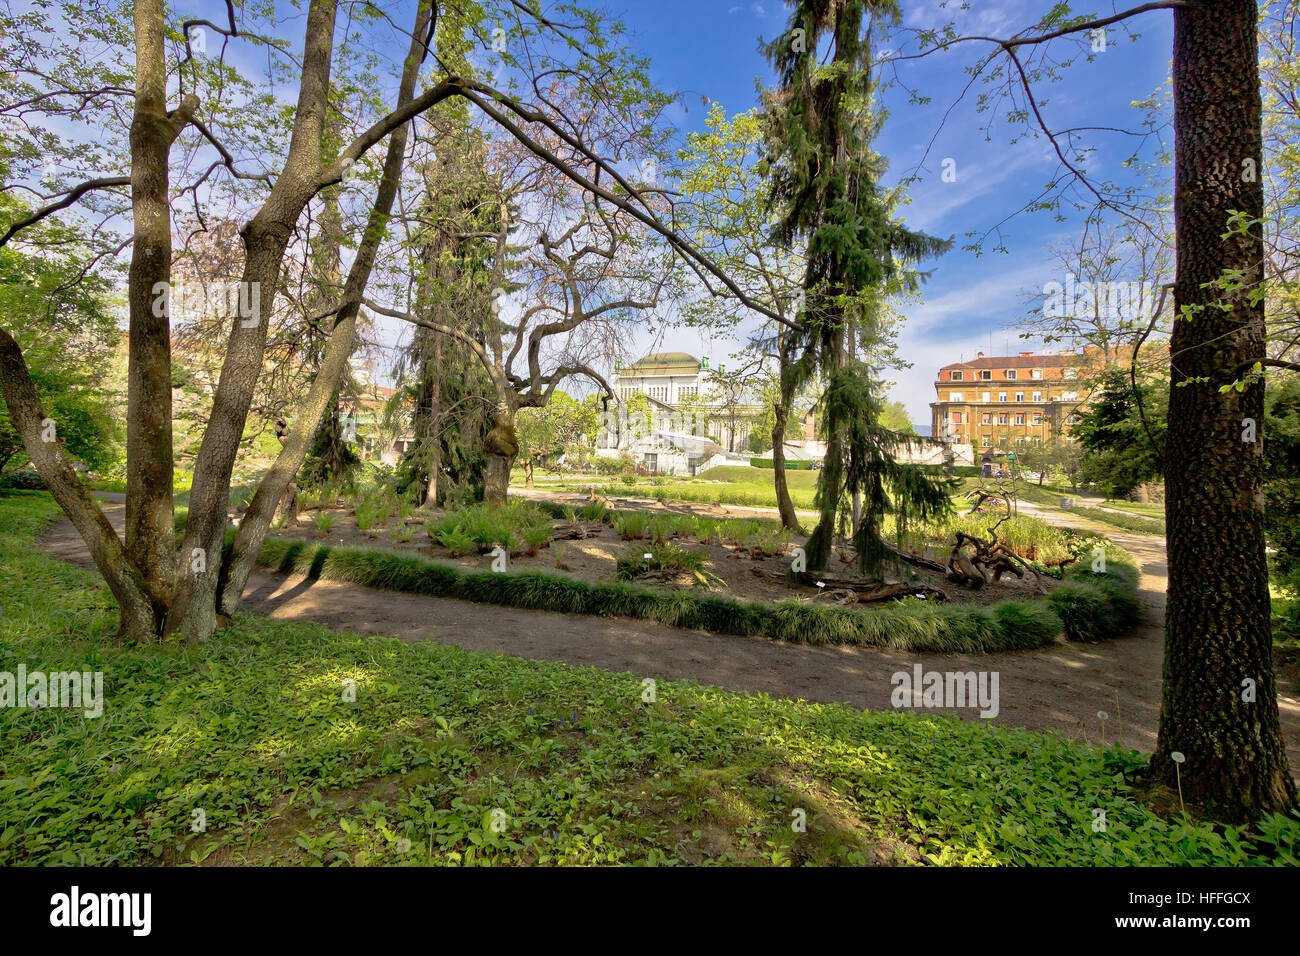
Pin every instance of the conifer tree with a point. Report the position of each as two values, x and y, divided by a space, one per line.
820 123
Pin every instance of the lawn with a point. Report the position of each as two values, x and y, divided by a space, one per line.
246 749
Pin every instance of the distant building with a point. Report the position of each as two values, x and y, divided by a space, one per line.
1000 401
686 421
374 432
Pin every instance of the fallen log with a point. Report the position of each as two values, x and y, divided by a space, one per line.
862 591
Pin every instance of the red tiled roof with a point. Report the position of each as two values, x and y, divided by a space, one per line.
1017 361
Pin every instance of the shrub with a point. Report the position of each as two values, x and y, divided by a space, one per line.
323 521
456 541
661 529
631 525
366 516
22 481
536 537
665 557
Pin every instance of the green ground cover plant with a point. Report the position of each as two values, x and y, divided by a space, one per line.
255 728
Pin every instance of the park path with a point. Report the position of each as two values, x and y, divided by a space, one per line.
1060 688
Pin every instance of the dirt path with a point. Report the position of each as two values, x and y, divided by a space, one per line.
1060 687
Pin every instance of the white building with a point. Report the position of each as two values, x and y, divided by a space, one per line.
686 422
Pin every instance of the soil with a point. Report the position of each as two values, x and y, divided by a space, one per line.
1059 688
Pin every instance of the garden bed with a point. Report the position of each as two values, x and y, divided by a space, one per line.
738 569
742 592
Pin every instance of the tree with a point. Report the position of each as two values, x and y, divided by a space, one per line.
159 588
725 209
825 181
68 334
1057 455
893 415
1232 758
1218 637
1122 450
548 431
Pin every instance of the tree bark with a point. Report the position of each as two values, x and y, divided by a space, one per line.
194 611
783 503
502 449
1218 644
150 521
137 620
261 510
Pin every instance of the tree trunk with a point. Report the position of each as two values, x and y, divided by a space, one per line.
257 519
1218 644
435 421
194 609
150 522
137 620
502 449
528 472
783 503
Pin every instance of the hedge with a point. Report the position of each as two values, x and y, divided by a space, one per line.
1086 603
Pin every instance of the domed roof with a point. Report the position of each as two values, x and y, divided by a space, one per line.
659 359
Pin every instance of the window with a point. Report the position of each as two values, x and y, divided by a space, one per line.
956 418
1011 375
1020 396
1038 418
1071 373
1038 396
956 396
988 418
1002 396
954 376
986 396
1069 396
1002 418
651 462
1020 419
986 375
1036 373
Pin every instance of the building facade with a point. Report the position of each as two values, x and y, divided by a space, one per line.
999 402
683 404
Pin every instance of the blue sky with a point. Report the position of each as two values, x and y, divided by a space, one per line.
970 303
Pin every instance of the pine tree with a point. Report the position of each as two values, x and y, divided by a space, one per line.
820 123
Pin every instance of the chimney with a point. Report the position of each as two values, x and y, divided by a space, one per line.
810 426
1026 354
979 354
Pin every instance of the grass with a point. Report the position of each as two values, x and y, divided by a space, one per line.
743 495
760 477
1052 499
1137 507
578 765
1125 522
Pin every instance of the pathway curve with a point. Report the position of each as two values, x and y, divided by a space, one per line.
1060 687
